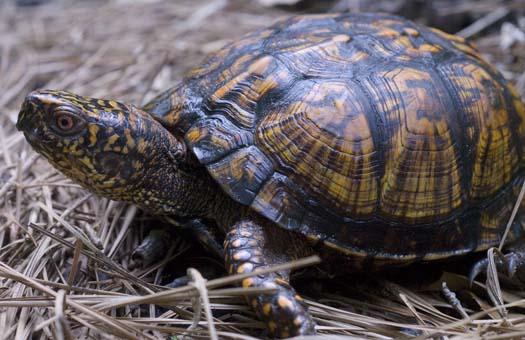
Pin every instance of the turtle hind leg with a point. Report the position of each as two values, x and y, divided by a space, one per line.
250 245
511 264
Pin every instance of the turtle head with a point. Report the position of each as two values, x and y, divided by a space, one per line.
112 149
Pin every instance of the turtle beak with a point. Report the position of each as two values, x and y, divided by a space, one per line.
31 116
23 124
27 112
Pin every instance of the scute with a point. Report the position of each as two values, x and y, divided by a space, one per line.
242 173
496 157
422 180
332 154
216 137
381 137
238 98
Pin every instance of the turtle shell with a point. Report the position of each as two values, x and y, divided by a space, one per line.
381 137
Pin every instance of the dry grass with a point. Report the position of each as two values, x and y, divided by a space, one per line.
65 268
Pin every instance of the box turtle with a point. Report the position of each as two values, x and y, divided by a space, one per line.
361 135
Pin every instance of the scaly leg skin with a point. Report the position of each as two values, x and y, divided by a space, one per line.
511 264
248 246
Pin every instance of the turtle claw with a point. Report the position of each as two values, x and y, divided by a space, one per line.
477 268
179 282
511 265
512 261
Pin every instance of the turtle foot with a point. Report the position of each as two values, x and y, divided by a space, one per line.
153 248
510 265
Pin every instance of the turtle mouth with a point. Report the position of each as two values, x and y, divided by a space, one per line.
36 138
32 138
24 125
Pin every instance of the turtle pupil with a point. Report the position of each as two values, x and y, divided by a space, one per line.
65 123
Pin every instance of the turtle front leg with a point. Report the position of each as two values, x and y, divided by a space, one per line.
207 235
250 245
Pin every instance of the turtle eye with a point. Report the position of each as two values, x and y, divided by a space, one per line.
67 123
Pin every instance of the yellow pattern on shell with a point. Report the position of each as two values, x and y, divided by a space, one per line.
326 150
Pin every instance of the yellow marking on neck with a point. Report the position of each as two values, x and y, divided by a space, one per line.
112 139
141 145
86 161
130 142
136 165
